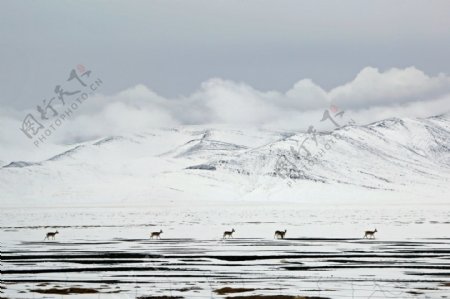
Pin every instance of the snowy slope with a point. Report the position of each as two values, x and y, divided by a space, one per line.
392 160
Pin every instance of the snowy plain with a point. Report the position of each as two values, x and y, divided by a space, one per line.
323 254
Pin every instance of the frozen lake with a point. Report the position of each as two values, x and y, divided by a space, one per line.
107 253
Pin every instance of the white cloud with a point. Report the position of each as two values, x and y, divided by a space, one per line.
230 102
395 86
371 96
307 95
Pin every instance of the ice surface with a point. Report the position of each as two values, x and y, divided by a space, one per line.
108 249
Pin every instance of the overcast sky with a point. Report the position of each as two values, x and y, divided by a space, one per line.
173 46
274 63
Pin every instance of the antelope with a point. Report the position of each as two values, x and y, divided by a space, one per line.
280 234
51 234
156 234
228 234
370 234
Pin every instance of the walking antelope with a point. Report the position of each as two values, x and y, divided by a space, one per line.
370 234
279 234
228 234
156 234
51 235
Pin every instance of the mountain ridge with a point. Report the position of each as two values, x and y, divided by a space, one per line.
394 158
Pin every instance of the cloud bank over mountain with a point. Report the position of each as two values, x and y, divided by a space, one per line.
372 95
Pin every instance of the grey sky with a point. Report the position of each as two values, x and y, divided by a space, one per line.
173 46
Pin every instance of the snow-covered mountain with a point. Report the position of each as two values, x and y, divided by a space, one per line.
390 160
